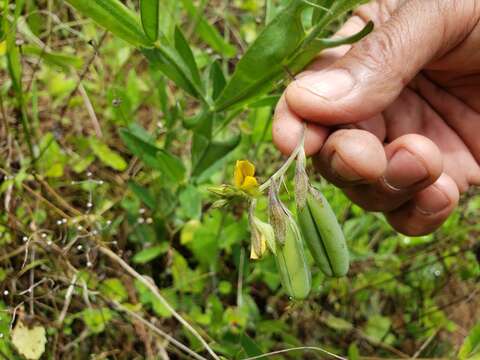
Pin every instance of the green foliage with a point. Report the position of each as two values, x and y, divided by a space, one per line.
107 155
140 144
115 17
51 160
470 349
264 59
96 319
180 90
5 345
114 289
150 12
148 254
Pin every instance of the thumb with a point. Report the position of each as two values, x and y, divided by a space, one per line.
372 74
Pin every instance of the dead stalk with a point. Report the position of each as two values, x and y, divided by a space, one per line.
158 331
157 294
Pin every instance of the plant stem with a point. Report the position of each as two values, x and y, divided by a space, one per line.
280 172
155 329
159 296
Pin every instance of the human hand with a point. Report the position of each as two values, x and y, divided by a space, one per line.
394 121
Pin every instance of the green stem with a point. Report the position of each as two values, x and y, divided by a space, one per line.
280 172
26 129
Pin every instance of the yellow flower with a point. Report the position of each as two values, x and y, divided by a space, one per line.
244 177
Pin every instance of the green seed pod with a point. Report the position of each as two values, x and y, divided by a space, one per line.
323 234
290 254
292 265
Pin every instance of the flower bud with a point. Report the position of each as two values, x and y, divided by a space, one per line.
302 182
262 236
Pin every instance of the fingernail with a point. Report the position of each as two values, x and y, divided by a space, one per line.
342 170
431 201
404 170
331 85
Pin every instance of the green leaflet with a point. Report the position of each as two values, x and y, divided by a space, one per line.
283 46
178 64
184 50
149 13
115 17
217 79
263 60
108 156
143 194
151 253
14 64
163 59
151 155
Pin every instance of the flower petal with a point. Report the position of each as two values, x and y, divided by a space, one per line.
250 184
248 168
238 174
256 254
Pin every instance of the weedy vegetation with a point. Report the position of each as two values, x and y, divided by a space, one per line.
134 227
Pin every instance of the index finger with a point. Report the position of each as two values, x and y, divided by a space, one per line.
287 131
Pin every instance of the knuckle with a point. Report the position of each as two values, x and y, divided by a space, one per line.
377 51
387 8
458 19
